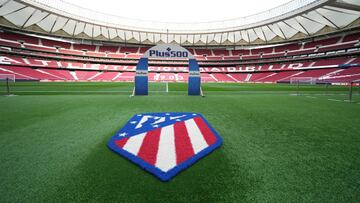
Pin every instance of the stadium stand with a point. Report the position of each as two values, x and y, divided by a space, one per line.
35 58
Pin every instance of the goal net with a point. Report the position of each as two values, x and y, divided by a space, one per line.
303 80
7 77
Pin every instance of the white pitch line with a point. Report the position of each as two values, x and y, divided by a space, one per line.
335 100
80 91
311 97
67 91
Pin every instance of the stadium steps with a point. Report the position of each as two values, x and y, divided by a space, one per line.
116 77
96 75
350 61
73 73
248 77
60 73
17 75
230 76
263 76
54 76
213 77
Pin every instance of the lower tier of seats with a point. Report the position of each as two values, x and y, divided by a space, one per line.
321 75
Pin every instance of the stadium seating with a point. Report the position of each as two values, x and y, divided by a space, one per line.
239 77
31 73
202 52
3 70
61 60
19 37
105 76
108 51
81 47
111 49
184 77
240 52
256 77
323 42
63 74
221 52
221 77
262 50
317 68
126 76
7 43
280 76
53 43
317 72
41 48
351 37
287 47
129 50
206 77
85 75
328 62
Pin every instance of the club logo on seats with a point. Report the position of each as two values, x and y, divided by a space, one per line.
164 144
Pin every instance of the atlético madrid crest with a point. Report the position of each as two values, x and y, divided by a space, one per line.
164 144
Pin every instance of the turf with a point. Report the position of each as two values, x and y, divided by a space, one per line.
126 88
277 147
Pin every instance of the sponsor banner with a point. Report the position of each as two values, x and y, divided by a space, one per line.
164 144
167 51
141 73
194 74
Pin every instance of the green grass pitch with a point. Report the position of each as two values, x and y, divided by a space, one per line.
276 147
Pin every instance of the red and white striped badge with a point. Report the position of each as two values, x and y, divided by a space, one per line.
165 143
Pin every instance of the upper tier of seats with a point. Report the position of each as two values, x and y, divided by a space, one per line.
110 51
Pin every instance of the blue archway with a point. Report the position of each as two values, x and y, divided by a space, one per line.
166 51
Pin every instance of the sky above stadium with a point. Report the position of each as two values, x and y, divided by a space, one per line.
185 11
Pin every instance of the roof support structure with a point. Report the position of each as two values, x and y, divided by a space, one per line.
337 27
344 5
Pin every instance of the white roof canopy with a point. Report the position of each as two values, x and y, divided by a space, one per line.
294 20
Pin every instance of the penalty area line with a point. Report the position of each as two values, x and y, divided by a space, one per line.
335 100
10 95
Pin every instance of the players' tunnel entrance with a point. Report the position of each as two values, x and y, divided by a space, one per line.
166 51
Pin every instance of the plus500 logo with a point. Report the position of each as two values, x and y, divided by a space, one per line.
169 54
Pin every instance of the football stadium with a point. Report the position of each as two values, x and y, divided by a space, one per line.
104 107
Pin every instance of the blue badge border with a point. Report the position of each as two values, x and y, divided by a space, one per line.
166 176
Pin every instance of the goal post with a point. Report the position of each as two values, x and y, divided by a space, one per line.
303 80
352 86
7 78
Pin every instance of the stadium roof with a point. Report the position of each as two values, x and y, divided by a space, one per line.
296 19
